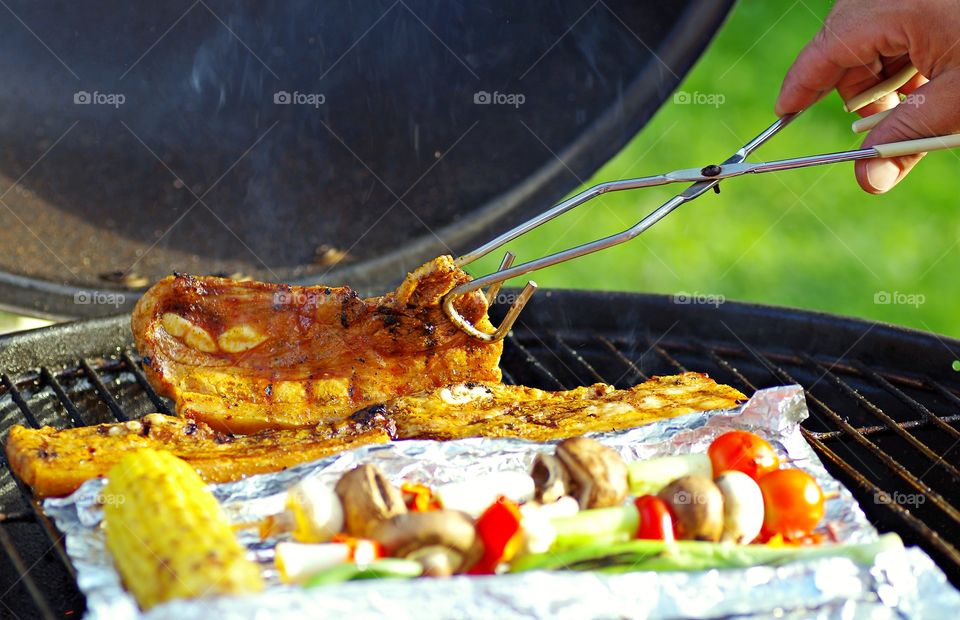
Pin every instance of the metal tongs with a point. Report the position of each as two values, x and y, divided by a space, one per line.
703 180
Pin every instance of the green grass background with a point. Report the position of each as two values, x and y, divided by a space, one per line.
808 238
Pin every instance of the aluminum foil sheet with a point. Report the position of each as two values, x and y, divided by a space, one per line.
900 584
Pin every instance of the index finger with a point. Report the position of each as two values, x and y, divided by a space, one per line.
818 69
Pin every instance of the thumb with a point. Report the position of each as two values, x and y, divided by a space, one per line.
928 111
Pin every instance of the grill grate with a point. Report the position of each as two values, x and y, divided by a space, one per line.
884 434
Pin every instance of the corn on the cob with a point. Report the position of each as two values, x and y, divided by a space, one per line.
167 534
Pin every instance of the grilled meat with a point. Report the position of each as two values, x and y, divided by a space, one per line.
248 356
56 462
497 410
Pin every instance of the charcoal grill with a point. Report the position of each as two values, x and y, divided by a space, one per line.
884 403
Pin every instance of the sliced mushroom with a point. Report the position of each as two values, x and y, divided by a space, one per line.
368 498
443 541
550 477
597 473
697 505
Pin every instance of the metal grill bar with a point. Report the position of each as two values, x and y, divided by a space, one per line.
890 422
638 375
942 391
17 398
566 348
48 379
910 402
727 366
867 431
102 391
56 539
132 365
24 573
533 361
654 346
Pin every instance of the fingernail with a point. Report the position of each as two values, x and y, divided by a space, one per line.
882 174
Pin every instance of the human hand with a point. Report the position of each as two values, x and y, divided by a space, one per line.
862 43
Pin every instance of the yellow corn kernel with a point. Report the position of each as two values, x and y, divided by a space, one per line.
168 536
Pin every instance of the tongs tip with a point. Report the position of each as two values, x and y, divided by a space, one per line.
491 296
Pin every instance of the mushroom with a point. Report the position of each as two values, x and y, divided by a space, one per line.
742 506
368 498
697 506
597 473
550 477
443 541
316 510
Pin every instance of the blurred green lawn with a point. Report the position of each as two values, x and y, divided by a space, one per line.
808 238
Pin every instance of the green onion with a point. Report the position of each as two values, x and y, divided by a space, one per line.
650 476
589 527
656 555
386 568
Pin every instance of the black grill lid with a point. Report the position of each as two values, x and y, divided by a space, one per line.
397 164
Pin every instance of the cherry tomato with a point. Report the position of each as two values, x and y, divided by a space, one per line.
792 503
743 451
656 521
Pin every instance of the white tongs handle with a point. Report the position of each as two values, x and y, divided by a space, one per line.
920 145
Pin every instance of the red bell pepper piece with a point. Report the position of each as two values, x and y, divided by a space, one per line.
656 522
499 530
